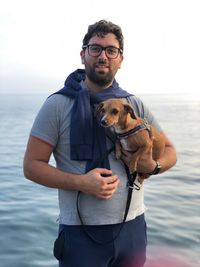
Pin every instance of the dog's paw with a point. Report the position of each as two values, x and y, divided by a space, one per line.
118 155
142 177
140 180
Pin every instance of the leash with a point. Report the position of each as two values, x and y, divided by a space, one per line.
131 185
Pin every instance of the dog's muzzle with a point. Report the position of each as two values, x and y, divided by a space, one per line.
104 122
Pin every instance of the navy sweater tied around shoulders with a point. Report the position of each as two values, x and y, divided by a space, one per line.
87 137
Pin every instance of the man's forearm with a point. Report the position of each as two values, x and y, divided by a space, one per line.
47 175
94 182
168 158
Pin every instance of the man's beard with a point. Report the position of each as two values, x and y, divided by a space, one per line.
102 80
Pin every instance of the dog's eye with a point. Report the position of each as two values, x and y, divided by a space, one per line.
115 111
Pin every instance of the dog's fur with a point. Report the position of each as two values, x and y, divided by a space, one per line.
120 115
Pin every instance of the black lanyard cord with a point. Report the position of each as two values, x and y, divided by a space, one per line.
131 186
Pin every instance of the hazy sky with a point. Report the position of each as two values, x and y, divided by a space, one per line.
40 43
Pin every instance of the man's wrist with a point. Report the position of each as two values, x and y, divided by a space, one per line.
157 169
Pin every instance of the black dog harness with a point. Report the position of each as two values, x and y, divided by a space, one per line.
143 126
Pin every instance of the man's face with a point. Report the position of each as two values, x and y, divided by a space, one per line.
101 69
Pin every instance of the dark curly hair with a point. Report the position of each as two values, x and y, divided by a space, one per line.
101 28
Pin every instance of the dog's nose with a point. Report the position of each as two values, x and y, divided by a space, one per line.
103 122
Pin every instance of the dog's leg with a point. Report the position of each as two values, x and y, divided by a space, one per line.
134 160
118 152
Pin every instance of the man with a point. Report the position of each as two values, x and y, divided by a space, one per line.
92 184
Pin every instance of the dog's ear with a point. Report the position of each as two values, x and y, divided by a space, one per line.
99 108
130 110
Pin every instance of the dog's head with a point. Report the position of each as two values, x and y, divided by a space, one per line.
114 112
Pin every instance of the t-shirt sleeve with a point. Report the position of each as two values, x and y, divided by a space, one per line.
143 111
46 124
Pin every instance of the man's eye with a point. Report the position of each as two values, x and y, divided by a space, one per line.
95 49
111 50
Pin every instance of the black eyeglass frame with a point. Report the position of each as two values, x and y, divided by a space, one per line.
120 51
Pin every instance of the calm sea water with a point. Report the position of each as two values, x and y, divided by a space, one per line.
28 212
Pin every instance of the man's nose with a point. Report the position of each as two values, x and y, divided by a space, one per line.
103 54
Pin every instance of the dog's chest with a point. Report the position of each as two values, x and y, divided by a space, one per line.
125 144
131 143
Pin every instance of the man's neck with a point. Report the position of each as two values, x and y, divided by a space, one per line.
95 88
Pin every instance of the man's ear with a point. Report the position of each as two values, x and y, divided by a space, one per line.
82 54
130 110
122 58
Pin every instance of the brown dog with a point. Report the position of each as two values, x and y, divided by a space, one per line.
133 133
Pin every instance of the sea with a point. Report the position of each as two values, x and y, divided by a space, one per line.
29 212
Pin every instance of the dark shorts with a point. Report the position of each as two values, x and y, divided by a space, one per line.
76 249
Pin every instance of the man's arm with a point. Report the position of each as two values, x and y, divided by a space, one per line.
169 157
146 164
38 169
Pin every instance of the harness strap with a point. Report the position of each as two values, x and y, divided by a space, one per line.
143 126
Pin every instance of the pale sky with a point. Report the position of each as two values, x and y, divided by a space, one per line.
40 43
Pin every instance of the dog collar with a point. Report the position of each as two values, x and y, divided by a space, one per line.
138 128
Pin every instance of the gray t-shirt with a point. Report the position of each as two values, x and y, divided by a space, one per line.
52 125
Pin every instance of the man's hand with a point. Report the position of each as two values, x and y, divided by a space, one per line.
100 182
145 163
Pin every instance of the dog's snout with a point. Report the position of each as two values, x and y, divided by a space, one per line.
103 122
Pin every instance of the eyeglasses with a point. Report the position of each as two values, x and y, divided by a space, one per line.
96 50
